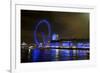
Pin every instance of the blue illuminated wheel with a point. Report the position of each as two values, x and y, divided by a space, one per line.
44 34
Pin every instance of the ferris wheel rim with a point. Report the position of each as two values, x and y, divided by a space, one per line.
36 29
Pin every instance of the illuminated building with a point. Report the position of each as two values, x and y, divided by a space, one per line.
55 37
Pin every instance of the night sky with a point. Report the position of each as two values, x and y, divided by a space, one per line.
68 25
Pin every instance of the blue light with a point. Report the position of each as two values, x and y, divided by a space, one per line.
66 44
83 45
35 55
53 54
71 54
82 54
55 36
45 40
55 44
64 55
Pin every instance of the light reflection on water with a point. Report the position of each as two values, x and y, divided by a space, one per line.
40 55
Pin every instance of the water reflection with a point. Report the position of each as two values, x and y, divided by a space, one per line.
42 55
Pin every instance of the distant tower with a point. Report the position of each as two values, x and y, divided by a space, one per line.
55 37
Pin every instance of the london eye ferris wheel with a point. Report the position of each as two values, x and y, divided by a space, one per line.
42 32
